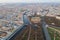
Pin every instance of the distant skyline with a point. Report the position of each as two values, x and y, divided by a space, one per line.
28 1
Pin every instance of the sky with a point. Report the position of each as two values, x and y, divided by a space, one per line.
27 1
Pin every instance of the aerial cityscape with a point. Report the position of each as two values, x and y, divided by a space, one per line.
30 21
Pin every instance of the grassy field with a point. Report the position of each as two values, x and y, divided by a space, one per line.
54 34
58 28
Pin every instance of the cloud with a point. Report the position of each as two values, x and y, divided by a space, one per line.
19 1
28 1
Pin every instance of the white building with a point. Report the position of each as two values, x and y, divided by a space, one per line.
58 17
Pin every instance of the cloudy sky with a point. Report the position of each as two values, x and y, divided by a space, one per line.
27 1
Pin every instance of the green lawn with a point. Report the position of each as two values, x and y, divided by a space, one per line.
58 28
51 32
